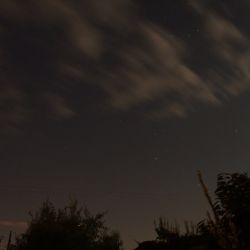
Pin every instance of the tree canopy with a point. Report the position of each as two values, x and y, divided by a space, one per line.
69 228
231 212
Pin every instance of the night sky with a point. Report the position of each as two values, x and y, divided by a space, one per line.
118 103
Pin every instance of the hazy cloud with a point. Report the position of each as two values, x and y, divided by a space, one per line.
157 71
53 46
13 109
231 48
58 106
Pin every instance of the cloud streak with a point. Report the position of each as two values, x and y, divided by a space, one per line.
56 46
157 72
231 48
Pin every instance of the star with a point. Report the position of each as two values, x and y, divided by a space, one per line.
156 158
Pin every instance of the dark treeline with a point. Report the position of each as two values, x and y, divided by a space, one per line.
226 227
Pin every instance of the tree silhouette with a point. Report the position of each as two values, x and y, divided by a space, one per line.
231 211
70 228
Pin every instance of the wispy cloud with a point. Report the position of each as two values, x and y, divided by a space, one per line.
157 72
58 107
53 46
231 48
13 108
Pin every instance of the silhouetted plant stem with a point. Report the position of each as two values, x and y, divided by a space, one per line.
207 195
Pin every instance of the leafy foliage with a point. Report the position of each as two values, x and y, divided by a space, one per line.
70 228
232 212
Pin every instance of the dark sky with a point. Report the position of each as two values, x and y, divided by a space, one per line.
118 102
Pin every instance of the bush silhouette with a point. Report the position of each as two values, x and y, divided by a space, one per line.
70 228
